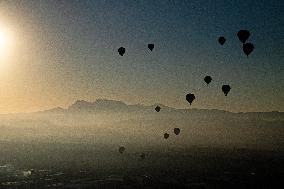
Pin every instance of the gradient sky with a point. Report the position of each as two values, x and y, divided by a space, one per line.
61 51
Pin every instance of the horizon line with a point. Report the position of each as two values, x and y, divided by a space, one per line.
45 110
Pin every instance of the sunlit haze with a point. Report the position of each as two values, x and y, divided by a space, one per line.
56 52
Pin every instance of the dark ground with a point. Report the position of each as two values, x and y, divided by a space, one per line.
84 166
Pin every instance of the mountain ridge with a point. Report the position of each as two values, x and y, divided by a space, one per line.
106 105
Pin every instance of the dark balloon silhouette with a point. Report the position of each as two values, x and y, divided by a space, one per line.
248 48
177 131
243 35
142 156
226 89
166 135
190 98
121 149
208 79
158 108
151 46
121 51
222 40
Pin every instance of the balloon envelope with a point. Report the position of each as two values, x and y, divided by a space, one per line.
142 155
222 40
121 51
166 135
151 46
158 108
177 131
121 149
190 98
226 89
248 48
243 35
208 79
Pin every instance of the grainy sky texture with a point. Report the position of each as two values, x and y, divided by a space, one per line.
61 51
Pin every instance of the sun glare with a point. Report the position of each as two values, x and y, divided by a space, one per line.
3 40
5 43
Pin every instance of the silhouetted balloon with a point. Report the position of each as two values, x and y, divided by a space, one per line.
166 135
226 89
190 98
151 46
121 149
248 48
158 108
121 51
208 79
222 40
142 156
177 131
243 35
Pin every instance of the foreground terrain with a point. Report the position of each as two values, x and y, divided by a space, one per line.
82 166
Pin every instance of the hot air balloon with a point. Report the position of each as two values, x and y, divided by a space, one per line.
207 79
177 131
121 51
121 149
226 89
142 156
248 48
222 40
243 35
190 98
151 46
166 135
158 108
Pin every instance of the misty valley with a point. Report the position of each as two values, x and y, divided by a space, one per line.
78 147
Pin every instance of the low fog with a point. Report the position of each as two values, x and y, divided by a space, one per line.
78 147
141 127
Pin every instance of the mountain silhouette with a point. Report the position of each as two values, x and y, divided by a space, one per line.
106 105
114 106
98 105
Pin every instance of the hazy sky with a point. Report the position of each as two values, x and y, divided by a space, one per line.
60 51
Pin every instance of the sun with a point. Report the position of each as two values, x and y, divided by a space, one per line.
5 42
